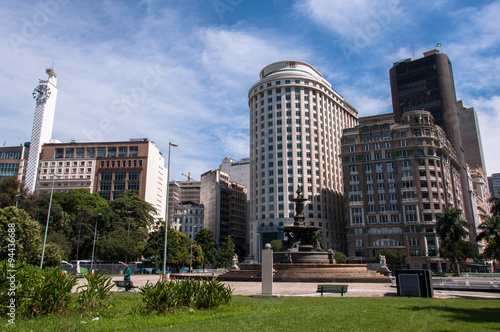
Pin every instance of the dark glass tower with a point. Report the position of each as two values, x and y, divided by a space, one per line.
427 84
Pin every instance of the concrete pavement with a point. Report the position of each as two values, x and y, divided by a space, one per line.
309 289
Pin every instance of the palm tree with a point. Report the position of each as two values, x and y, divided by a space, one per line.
490 229
450 225
495 205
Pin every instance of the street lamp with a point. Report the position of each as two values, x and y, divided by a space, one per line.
258 247
166 213
17 199
48 217
128 231
93 246
191 259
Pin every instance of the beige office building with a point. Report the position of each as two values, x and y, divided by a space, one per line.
107 168
398 178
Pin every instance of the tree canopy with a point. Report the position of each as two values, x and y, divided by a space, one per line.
490 230
26 232
451 227
205 239
226 253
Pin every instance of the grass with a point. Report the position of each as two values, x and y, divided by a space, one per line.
287 314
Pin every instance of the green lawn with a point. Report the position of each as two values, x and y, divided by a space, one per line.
288 314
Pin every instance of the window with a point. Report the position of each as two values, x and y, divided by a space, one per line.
69 153
101 152
59 153
134 175
122 151
112 151
106 176
133 151
120 175
106 186
80 152
119 186
90 152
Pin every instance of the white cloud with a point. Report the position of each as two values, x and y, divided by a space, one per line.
358 20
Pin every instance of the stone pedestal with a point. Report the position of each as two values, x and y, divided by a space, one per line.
267 273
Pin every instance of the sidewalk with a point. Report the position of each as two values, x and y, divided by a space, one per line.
309 289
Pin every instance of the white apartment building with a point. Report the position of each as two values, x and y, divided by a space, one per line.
296 124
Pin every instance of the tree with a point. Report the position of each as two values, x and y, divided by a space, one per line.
318 236
178 248
205 239
276 245
491 251
117 248
11 192
135 210
393 256
26 232
463 250
450 226
198 258
490 230
340 257
226 253
495 205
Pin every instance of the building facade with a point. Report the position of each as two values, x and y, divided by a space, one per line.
224 204
13 160
238 170
427 84
471 137
45 95
494 185
188 218
398 178
180 192
296 123
107 168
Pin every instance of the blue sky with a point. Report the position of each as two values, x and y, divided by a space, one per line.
180 70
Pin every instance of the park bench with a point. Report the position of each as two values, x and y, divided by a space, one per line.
332 289
124 285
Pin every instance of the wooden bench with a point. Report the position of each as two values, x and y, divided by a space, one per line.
124 285
332 289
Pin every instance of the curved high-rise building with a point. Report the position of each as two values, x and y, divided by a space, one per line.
296 123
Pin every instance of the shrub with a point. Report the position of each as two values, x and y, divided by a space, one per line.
199 294
92 297
38 292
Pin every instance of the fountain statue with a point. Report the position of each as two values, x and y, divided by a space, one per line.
300 245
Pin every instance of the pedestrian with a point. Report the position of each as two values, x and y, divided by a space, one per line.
126 278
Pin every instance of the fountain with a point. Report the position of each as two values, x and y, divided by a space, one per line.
300 245
303 260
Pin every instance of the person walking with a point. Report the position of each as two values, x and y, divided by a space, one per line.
126 278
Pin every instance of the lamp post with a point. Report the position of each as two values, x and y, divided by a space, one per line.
17 199
48 218
93 246
258 248
166 213
191 259
128 231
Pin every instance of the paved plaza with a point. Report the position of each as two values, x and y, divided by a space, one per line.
309 289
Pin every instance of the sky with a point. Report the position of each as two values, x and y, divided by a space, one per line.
180 71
